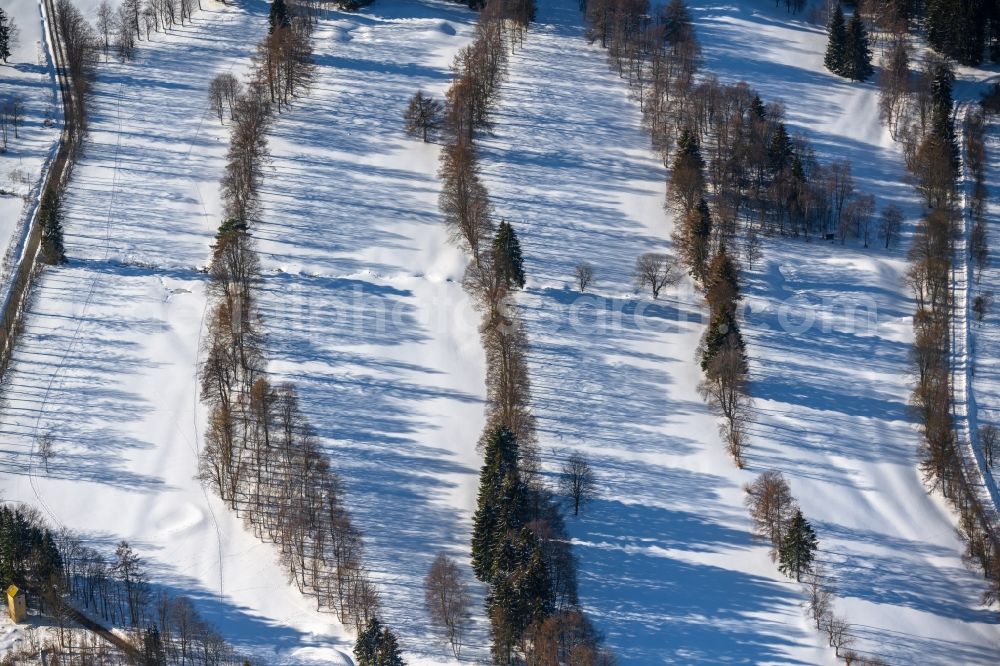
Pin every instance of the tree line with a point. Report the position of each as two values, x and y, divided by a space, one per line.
60 574
736 175
122 25
923 116
261 455
778 520
520 548
756 177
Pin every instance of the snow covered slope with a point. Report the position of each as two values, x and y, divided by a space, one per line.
829 330
363 302
364 311
667 566
29 77
107 363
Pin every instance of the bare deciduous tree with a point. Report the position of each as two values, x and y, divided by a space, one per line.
820 594
979 247
725 389
464 200
215 97
981 305
891 223
770 502
423 115
656 271
584 275
838 633
576 481
448 601
105 24
46 449
989 440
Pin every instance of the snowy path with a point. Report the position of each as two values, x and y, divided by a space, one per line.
107 363
363 304
29 76
964 351
985 336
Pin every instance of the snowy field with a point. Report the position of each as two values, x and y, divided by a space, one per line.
107 364
667 566
28 76
363 307
363 301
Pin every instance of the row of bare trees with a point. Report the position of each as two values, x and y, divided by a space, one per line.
920 112
735 175
520 545
78 42
121 26
748 166
11 118
660 57
778 520
260 454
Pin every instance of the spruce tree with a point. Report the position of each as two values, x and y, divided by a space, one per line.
701 238
722 288
388 650
798 547
835 47
153 653
5 33
942 123
534 583
959 28
857 62
722 328
278 16
377 646
499 465
780 152
50 218
687 177
757 107
507 259
521 592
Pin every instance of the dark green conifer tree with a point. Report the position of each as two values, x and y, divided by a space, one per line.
278 16
701 239
942 122
50 217
499 465
153 653
687 175
857 63
507 260
779 153
377 646
798 548
837 42
5 33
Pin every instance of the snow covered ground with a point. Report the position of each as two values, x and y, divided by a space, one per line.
363 302
107 363
364 311
667 566
29 77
